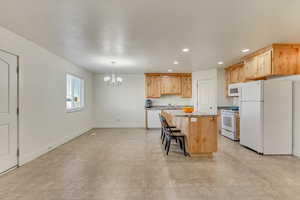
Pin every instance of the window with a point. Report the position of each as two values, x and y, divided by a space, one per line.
75 93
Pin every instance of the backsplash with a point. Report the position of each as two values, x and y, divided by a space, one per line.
236 101
171 99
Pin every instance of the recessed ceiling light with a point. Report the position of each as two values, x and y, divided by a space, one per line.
220 63
245 50
170 70
185 50
176 62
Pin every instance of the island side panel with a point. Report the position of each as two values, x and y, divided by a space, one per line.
208 134
202 136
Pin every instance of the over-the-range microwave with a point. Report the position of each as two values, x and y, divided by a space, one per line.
234 90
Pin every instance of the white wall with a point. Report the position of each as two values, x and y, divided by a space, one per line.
44 123
296 119
121 106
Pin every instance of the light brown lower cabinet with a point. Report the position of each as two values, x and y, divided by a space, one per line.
238 126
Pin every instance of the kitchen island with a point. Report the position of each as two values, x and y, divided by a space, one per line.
200 130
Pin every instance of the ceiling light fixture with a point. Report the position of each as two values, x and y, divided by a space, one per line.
245 50
185 50
176 62
220 63
113 80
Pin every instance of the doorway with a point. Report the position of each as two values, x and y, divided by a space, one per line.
9 111
206 96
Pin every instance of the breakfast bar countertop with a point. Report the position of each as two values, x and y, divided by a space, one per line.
162 107
193 114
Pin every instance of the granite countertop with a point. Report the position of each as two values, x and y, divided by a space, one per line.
194 114
168 107
228 107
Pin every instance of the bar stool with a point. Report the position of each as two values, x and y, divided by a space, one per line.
162 135
170 135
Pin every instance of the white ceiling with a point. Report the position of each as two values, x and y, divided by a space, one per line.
148 35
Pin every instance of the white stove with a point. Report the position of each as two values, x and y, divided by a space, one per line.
228 124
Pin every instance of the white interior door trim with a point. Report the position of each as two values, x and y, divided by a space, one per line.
12 113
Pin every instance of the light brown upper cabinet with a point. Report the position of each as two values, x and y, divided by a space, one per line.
275 60
251 68
235 73
286 60
152 89
170 85
264 64
186 87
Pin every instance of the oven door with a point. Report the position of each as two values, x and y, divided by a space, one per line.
228 121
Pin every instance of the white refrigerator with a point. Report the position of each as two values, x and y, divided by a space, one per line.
266 116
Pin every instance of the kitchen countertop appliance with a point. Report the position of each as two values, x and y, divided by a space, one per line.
148 103
266 110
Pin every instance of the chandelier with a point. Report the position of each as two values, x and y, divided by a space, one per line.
113 80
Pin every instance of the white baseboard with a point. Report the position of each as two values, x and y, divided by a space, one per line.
31 156
117 127
122 124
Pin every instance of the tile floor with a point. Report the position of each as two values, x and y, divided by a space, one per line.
114 164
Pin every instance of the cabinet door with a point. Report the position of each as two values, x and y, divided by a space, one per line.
170 85
264 64
234 75
227 81
285 61
186 84
251 68
260 65
152 86
241 76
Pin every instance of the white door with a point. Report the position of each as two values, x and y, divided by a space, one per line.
206 96
8 111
